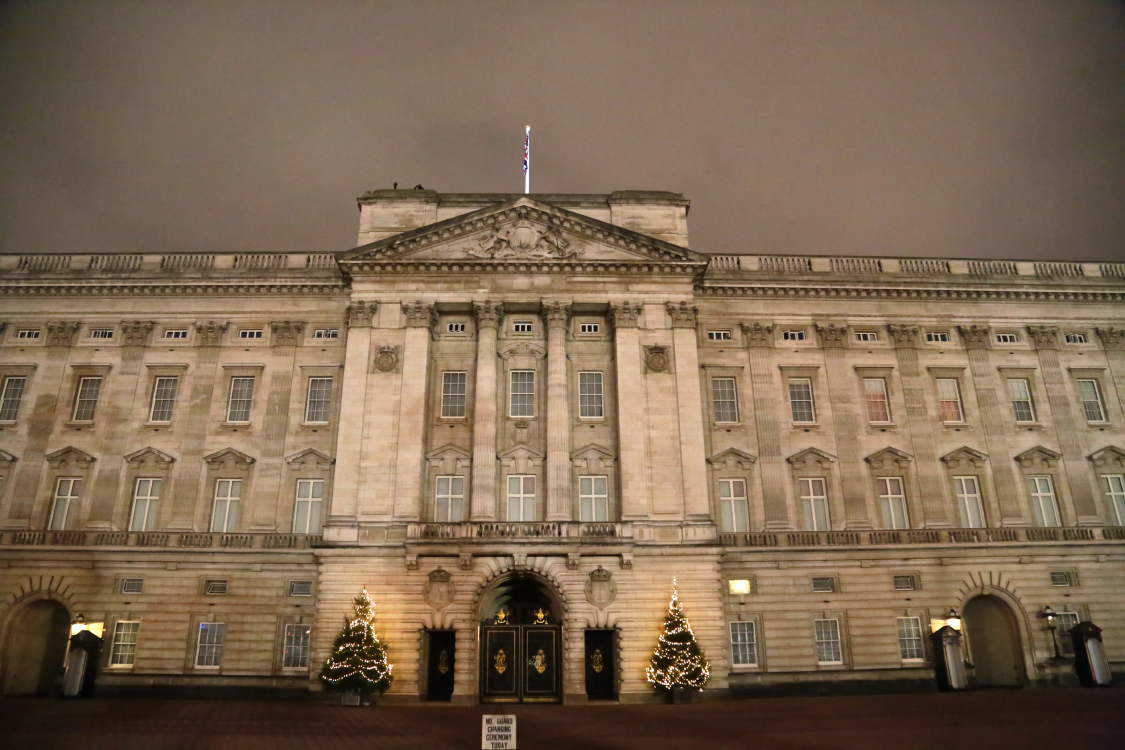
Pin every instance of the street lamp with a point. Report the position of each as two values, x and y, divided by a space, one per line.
1050 615
953 619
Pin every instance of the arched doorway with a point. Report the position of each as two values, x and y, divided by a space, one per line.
521 642
994 643
36 648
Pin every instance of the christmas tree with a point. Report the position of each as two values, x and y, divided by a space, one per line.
359 661
678 661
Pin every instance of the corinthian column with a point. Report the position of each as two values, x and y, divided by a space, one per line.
483 498
556 315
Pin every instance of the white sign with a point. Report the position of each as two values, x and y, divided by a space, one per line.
498 732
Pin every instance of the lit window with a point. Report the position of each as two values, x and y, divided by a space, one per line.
1065 621
949 399
866 336
740 586
319 400
743 644
892 502
718 335
1075 338
1091 395
453 394
132 586
66 497
793 335
875 396
27 333
1115 493
824 585
828 649
521 497
1007 338
86 402
522 393
306 513
732 499
176 333
145 494
228 494
250 333
296 654
455 327
449 505
124 649
1061 578
1043 501
522 326
905 583
589 328
814 504
209 653
11 397
1020 393
937 336
241 399
163 399
969 504
326 333
801 401
300 588
101 333
910 639
593 499
590 405
726 400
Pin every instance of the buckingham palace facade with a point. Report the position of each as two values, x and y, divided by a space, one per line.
514 419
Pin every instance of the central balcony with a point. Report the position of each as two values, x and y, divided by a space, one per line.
531 531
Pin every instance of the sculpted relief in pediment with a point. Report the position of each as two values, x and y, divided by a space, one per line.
523 240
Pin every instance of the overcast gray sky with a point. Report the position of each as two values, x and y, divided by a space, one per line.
985 128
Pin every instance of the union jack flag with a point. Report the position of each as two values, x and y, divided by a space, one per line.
526 149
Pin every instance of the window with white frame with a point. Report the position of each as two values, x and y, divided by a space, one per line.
814 504
718 336
176 333
590 398
732 501
875 396
1043 501
906 583
11 397
1007 338
27 334
1091 394
1061 578
306 512
726 400
449 500
522 326
522 394
1019 391
828 650
1115 495
296 649
521 497
1064 621
793 335
209 651
593 499
937 337
743 644
86 399
910 639
123 652
101 333
318 404
64 501
163 399
250 333
892 502
300 588
969 506
132 585
241 399
146 493
228 496
326 333
215 587
823 585
455 327
589 327
1075 338
949 400
866 336
801 401
453 385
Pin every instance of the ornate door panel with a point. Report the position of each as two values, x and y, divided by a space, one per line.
600 662
440 669
520 663
500 663
541 664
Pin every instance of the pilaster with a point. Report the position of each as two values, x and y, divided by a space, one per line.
420 319
689 397
483 494
624 316
559 506
759 338
833 340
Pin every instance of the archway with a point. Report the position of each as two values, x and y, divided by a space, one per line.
994 642
36 648
521 641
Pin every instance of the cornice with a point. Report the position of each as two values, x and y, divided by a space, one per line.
23 289
905 293
522 267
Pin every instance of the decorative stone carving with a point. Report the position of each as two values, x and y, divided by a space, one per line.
488 314
976 336
624 314
889 458
159 458
601 590
419 315
733 458
466 560
61 333
523 349
136 332
1112 338
758 334
210 333
832 335
1044 337
904 336
556 314
287 332
572 560
238 458
1038 456
811 458
81 459
1110 457
523 240
657 359
683 315
964 457
311 456
439 590
387 358
359 314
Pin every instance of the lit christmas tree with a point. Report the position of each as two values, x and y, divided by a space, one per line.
359 661
678 661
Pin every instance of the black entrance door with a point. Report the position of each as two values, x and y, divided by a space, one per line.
439 672
600 678
520 663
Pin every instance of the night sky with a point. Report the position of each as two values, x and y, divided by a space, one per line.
957 128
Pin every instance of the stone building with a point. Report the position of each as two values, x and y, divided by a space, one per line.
514 419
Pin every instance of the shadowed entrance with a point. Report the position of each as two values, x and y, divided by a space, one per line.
994 643
36 648
521 642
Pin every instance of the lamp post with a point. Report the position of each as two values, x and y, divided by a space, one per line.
1050 615
953 619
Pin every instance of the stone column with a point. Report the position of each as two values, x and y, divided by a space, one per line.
559 507
689 397
631 422
349 436
771 463
483 497
1113 340
420 320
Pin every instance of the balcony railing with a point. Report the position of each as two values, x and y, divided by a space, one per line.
541 530
920 536
159 539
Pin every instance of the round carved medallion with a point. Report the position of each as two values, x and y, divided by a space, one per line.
387 359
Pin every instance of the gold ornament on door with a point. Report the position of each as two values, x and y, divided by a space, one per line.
443 662
501 661
596 661
540 662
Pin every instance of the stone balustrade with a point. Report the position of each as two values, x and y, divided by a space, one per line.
546 531
921 536
158 539
726 266
162 264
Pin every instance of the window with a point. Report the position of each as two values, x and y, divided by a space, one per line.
1061 578
732 498
11 397
824 585
814 504
1075 338
522 393
306 513
248 333
593 499
875 395
828 642
1064 621
27 334
743 645
949 399
66 497
176 333
124 649
937 336
969 504
300 588
86 401
801 401
892 502
241 399
910 639
866 336
793 335
1020 393
726 400
228 493
718 335
215 588
145 494
1043 501
326 333
455 327
453 394
296 655
589 327
522 326
521 497
449 503
132 586
209 653
905 583
739 586
319 401
1007 338
163 399
1091 396
1115 493
101 333
590 402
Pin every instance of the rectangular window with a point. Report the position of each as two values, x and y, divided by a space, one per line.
145 494
449 502
453 394
522 393
1061 578
892 502
228 494
522 326
743 644
1043 501
969 503
1115 494
589 327
86 401
241 399
801 401
209 653
101 333
905 583
910 639
455 328
66 497
318 405
124 650
949 399
11 397
590 404
828 649
300 588
937 336
1007 338
866 336
326 333
726 400
27 333
824 585
1075 338
718 335
1091 395
875 395
739 585
163 399
593 499
732 499
521 497
248 333
1020 393
814 504
176 333
215 588
1064 621
306 513
793 335
296 655
132 586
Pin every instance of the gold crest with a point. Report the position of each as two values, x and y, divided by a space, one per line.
501 661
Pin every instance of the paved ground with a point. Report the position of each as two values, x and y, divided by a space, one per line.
1076 719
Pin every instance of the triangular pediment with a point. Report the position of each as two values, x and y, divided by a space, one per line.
228 454
811 456
6 458
1108 456
587 451
964 456
889 456
310 454
734 456
69 453
448 451
1038 456
149 454
521 450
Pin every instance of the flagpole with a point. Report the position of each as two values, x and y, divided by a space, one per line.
527 161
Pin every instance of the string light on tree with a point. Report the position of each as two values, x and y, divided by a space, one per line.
678 659
359 660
